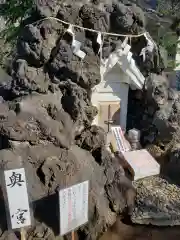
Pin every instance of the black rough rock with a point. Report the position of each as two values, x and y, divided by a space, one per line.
159 105
46 112
46 115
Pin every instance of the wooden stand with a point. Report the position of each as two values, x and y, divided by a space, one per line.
72 235
23 234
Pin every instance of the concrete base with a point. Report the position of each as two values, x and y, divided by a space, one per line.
141 164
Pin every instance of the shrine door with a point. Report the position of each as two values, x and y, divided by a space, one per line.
109 115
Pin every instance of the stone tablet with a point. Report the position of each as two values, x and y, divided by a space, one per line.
73 202
16 189
141 163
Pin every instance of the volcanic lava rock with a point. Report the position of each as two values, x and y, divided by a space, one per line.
160 107
117 184
157 199
47 8
30 45
127 18
36 131
91 138
49 167
75 101
28 79
172 167
157 202
46 112
166 101
36 42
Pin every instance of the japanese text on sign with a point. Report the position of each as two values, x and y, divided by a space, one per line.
16 188
73 207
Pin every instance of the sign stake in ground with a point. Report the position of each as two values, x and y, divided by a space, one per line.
18 204
72 235
23 234
73 206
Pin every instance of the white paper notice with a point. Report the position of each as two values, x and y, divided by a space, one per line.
73 202
16 188
99 40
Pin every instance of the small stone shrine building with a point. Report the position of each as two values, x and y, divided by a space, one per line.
110 96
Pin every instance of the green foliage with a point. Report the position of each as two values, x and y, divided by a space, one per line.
169 42
169 7
10 33
14 11
167 36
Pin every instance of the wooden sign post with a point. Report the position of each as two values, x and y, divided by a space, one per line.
18 203
23 234
73 202
73 235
